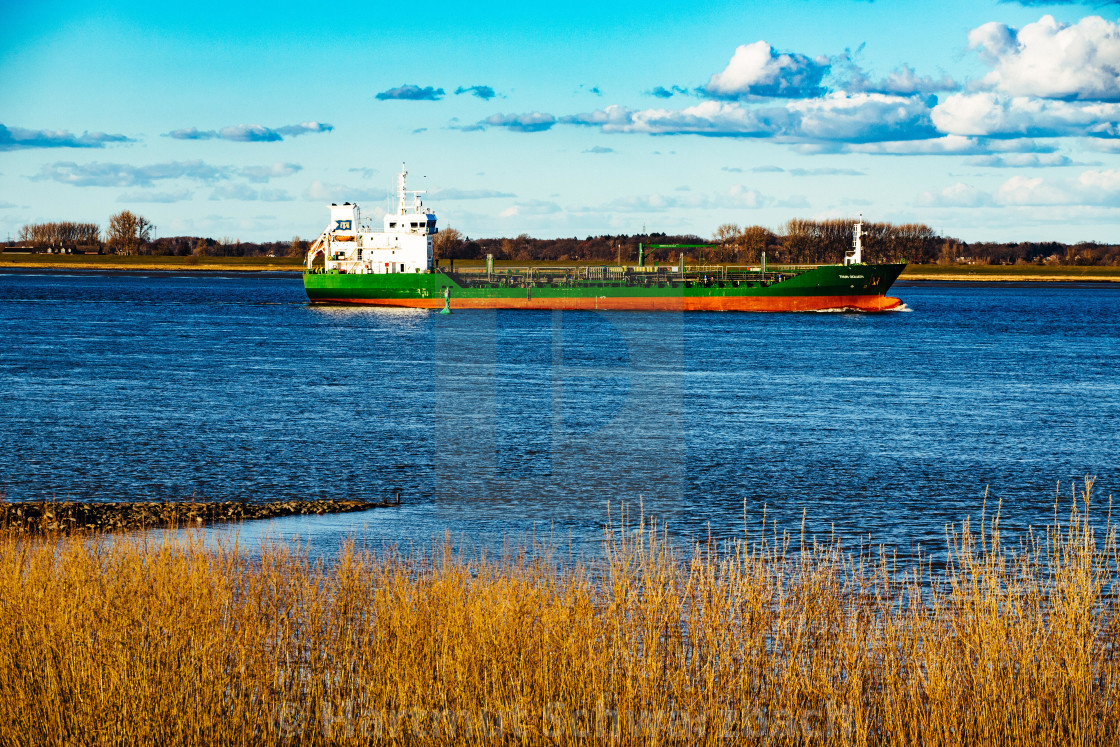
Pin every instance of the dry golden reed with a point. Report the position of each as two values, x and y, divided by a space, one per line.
171 641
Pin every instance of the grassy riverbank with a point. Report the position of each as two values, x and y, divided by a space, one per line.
49 517
1005 273
172 642
992 273
123 262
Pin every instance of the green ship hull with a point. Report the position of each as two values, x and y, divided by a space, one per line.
825 287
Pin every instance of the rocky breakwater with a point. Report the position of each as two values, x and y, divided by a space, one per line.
43 517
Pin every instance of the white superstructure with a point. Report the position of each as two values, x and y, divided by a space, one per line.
403 245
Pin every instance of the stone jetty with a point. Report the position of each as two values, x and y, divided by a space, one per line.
42 517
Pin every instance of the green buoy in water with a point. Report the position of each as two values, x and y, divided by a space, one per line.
446 301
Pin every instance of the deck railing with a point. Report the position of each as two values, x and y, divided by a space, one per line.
621 275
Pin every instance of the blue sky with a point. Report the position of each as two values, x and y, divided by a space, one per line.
986 120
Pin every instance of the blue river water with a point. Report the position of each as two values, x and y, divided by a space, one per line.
497 424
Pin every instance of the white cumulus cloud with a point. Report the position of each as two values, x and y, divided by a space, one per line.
1052 60
756 69
988 113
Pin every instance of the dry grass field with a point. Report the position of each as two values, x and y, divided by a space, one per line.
169 641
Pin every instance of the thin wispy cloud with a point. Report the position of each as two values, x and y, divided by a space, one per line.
1024 161
903 81
825 172
738 197
247 193
450 193
837 117
959 195
17 138
947 145
528 122
482 92
1096 187
156 197
192 133
249 133
662 92
599 149
531 207
411 92
304 128
98 174
261 174
330 192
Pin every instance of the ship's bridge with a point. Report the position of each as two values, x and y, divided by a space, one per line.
414 218
423 223
405 244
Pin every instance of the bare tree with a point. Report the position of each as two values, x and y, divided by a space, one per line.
447 242
128 233
797 240
729 237
60 234
755 240
297 248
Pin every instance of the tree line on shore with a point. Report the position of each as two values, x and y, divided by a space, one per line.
132 234
798 241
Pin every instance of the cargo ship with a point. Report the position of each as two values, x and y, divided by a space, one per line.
349 263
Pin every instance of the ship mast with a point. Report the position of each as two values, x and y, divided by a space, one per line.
401 207
402 195
856 257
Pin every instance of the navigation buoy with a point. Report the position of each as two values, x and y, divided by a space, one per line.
446 301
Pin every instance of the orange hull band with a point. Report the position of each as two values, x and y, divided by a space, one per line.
678 303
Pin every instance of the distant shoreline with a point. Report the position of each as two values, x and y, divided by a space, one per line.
952 273
149 263
1013 273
